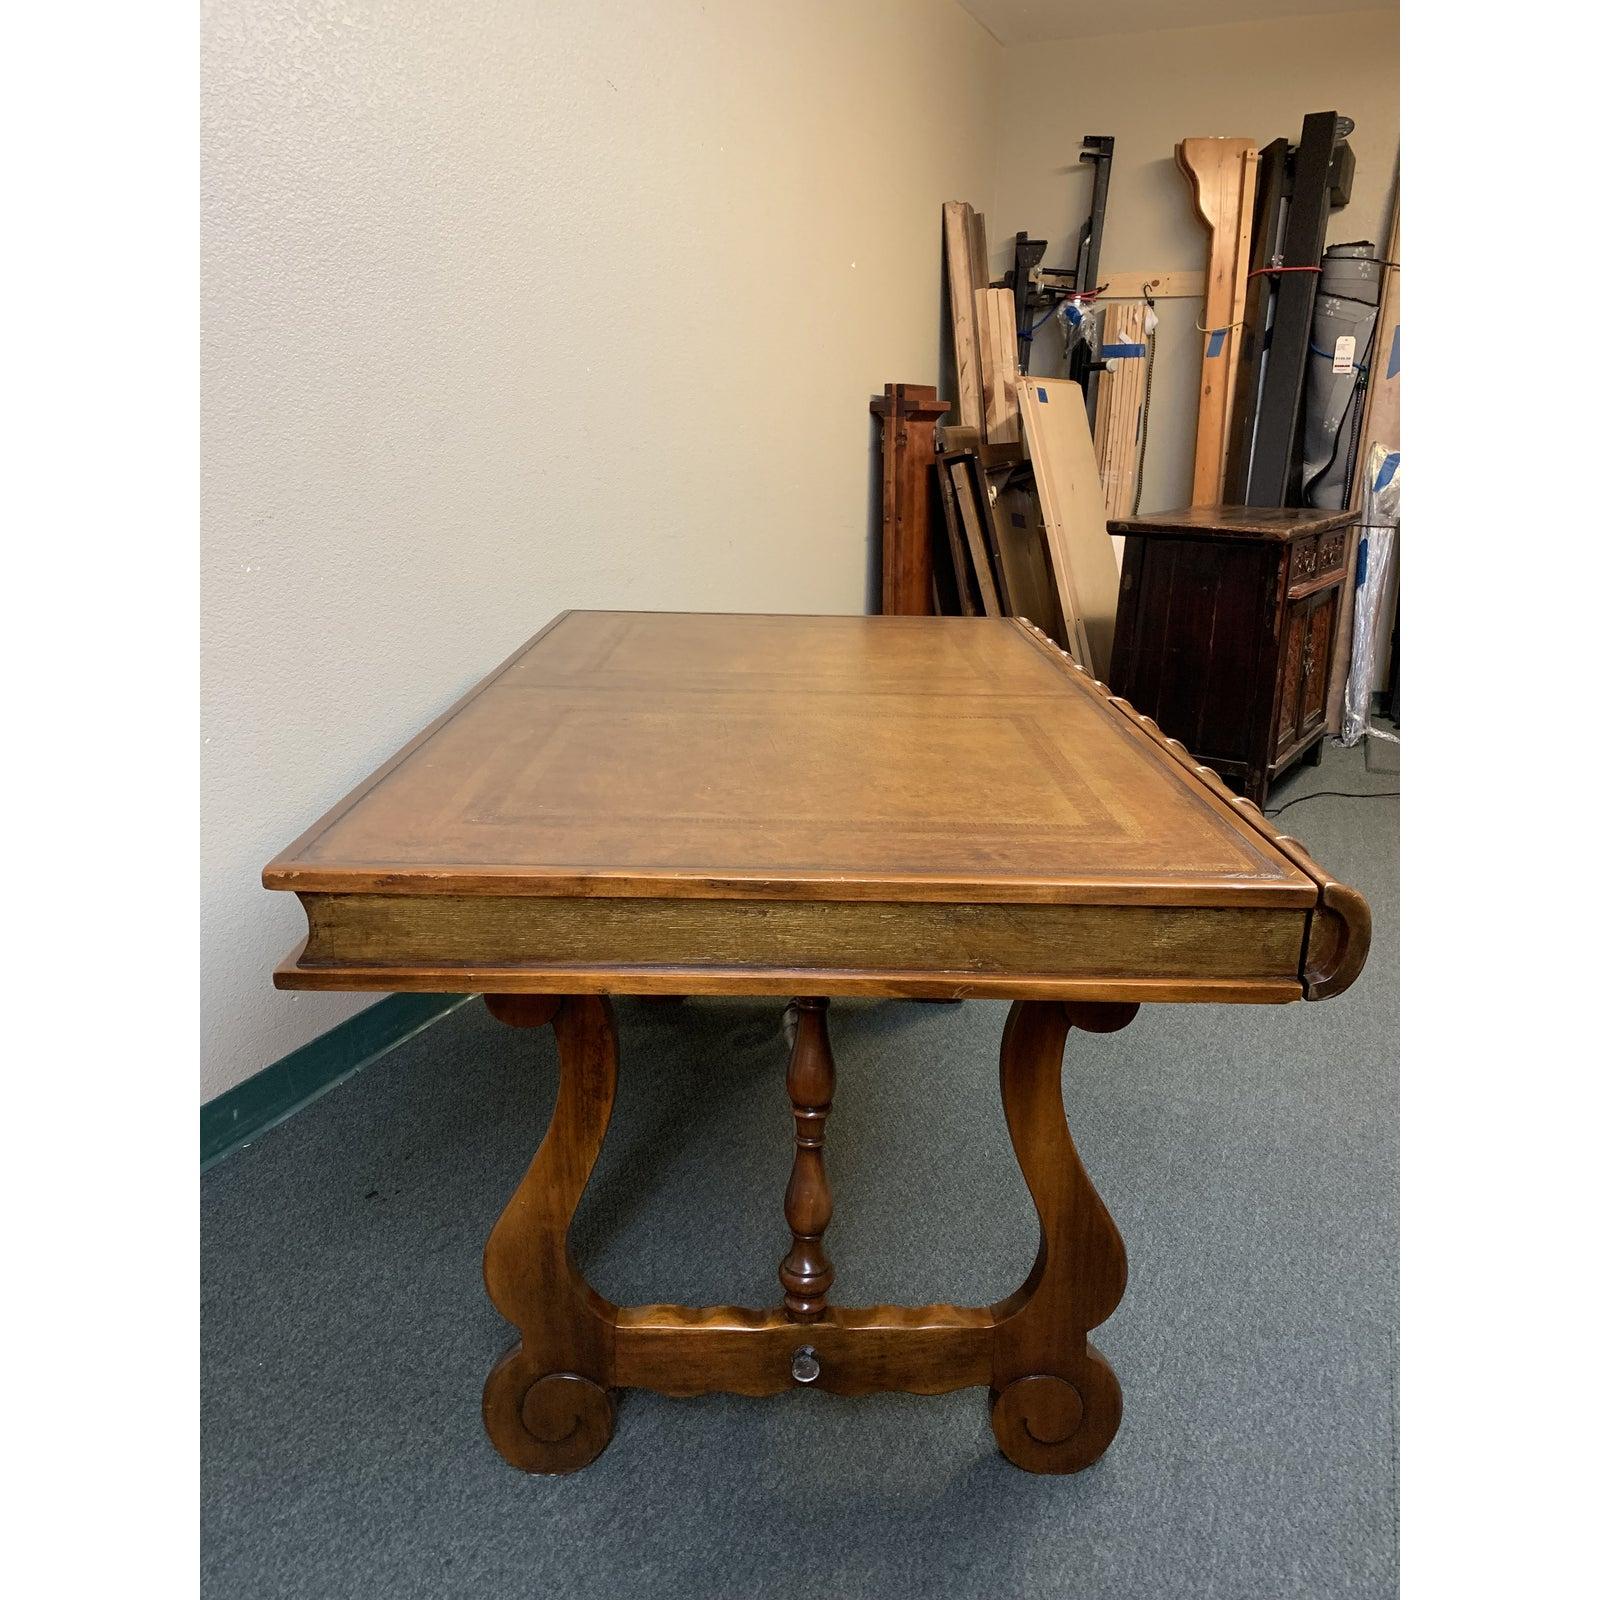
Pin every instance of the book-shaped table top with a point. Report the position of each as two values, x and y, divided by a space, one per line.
643 801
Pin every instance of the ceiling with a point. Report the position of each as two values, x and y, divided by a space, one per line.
1034 21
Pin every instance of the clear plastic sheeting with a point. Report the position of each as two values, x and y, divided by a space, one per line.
1336 373
1375 561
1080 324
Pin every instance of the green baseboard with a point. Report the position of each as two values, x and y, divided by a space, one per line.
277 1092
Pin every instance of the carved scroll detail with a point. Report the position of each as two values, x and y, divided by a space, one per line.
1057 1403
545 1405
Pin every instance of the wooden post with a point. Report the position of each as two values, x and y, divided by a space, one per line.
1222 173
968 271
909 412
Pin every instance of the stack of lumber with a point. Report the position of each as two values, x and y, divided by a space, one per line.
1118 408
1019 482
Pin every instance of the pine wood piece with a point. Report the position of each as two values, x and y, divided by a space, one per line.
1119 407
910 413
1020 536
962 227
1067 478
1380 424
1159 285
955 537
997 346
1222 175
966 482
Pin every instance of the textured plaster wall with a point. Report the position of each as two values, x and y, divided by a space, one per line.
514 306
1254 80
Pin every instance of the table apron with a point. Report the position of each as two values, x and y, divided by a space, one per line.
705 946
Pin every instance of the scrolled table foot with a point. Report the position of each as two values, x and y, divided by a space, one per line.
1047 1423
557 1422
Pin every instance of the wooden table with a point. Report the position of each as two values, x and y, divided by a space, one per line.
644 803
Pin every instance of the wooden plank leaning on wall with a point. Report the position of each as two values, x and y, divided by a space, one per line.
1222 174
909 412
997 354
967 265
1056 428
1380 424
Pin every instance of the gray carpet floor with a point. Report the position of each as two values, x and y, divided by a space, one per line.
1249 1155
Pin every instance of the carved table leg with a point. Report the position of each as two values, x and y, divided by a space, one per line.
807 1273
546 1406
1056 1403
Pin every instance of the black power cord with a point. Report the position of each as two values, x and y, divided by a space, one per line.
1342 794
1144 418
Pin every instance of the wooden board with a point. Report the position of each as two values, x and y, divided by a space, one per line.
1067 479
1159 285
966 483
961 231
997 351
955 538
909 412
1222 175
1119 406
739 804
1020 537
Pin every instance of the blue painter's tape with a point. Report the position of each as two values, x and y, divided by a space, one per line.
1109 351
1361 562
1394 354
1391 465
1044 396
1214 343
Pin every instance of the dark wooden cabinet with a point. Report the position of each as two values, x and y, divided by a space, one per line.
1225 625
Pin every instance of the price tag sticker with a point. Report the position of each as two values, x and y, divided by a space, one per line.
1344 353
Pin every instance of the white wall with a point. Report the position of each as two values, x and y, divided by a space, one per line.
513 306
510 307
1254 80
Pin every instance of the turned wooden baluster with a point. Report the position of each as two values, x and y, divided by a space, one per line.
807 1273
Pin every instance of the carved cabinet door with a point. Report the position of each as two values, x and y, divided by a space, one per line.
1321 610
1291 676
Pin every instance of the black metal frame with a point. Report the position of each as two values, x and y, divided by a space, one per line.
1035 288
1266 439
1079 367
